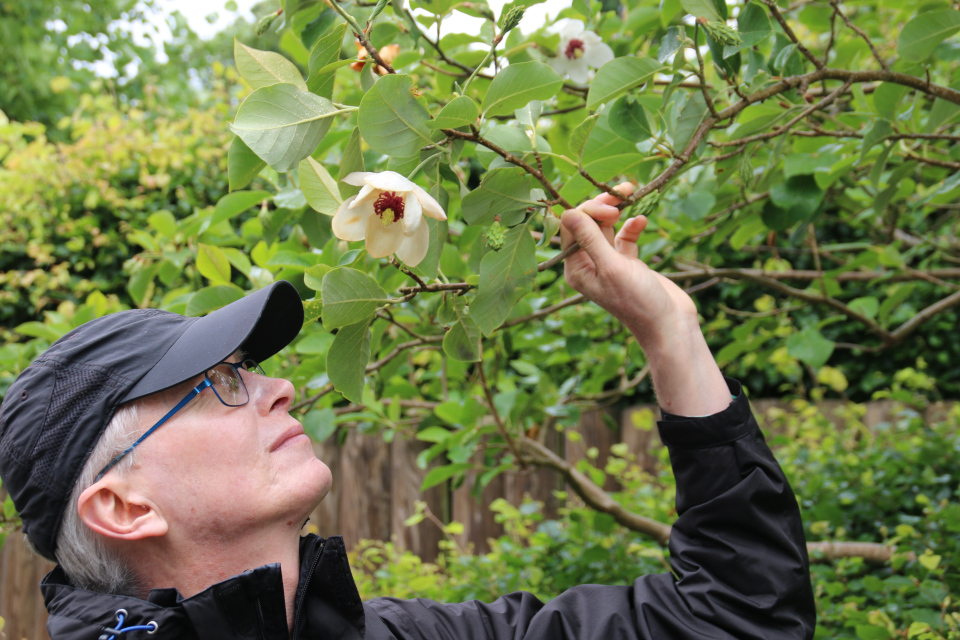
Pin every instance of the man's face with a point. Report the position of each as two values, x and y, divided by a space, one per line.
219 472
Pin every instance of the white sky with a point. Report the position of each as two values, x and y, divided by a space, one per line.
196 12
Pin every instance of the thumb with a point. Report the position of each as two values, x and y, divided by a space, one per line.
589 236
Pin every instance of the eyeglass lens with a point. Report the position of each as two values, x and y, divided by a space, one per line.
228 384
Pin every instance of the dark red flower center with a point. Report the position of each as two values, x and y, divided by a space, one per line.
574 49
389 201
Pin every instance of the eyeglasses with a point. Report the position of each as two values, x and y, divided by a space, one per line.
225 380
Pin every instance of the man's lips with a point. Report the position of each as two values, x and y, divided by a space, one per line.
287 435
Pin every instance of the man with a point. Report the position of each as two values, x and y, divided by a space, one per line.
181 518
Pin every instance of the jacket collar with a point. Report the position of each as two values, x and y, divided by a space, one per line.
246 606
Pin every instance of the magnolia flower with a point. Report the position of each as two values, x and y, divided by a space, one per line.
578 51
388 215
388 54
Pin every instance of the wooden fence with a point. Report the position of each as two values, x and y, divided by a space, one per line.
377 483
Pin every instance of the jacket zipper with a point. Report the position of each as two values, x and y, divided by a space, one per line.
303 594
260 622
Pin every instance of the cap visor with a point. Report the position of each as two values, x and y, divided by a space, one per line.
261 324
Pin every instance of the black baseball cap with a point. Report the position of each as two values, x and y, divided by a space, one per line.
57 409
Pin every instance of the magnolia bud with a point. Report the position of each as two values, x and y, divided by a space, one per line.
648 204
264 23
511 18
494 236
722 33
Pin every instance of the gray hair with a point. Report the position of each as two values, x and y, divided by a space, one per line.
86 557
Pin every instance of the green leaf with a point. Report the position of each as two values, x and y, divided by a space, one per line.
703 9
313 277
619 76
670 43
504 192
799 196
628 119
38 330
265 68
164 222
392 120
433 434
213 263
867 306
349 296
886 97
233 204
513 139
872 632
311 310
350 162
580 135
347 359
282 124
462 341
921 35
692 114
459 112
320 424
243 164
878 132
753 23
517 85
441 474
810 346
325 51
505 277
319 187
212 298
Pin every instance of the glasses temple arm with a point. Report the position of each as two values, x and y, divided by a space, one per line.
180 405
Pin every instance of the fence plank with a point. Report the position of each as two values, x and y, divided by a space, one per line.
21 604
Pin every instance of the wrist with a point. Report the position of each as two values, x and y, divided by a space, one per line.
671 337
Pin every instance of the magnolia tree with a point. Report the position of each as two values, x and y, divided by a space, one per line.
409 180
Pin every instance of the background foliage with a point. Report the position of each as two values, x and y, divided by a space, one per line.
798 163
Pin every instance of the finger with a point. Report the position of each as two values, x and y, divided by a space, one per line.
625 188
566 238
605 214
626 241
591 239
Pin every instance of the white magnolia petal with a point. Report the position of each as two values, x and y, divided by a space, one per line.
577 70
351 223
357 178
571 29
558 64
412 214
431 208
589 38
415 247
389 181
598 55
383 240
366 193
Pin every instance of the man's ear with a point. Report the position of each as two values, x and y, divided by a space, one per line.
112 509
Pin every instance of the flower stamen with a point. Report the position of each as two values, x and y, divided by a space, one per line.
388 201
574 49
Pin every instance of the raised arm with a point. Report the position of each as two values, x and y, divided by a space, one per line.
737 548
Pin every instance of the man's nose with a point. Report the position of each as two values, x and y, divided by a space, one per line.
272 395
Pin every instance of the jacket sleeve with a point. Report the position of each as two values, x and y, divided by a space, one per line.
737 549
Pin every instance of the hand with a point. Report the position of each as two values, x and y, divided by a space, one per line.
660 314
608 271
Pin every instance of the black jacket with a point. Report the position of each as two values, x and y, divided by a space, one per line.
737 548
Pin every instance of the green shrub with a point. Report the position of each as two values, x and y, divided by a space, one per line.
897 485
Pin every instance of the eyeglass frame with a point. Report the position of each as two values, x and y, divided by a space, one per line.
255 368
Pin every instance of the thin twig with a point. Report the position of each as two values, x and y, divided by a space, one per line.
836 8
772 5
